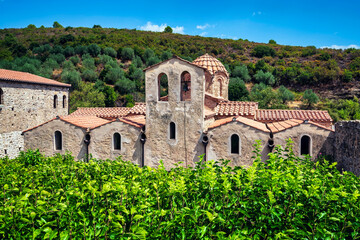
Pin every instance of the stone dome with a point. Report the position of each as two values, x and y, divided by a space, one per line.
211 64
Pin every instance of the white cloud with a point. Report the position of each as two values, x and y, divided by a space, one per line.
342 47
202 27
257 13
156 28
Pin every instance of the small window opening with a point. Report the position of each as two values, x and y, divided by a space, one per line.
5 151
1 97
235 144
58 140
305 145
185 86
163 87
64 101
172 130
117 141
55 101
220 88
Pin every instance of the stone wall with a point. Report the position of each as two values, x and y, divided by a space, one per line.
25 106
101 144
188 116
219 146
321 139
347 146
42 138
11 144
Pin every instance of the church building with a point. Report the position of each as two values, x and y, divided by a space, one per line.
194 118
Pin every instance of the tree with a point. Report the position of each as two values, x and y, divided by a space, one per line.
241 72
271 41
57 25
94 49
266 78
125 86
86 96
285 94
127 54
113 75
72 77
166 55
310 97
89 75
168 29
262 51
97 26
237 90
110 52
31 26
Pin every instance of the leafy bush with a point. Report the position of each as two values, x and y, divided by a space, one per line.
72 77
127 54
94 50
262 51
241 72
266 78
285 198
125 86
110 52
89 75
310 97
237 90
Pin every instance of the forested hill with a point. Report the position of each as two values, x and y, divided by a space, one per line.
113 60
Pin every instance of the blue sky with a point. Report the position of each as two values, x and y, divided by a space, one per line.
301 23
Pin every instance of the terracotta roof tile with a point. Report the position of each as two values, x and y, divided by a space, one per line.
275 115
135 120
211 64
230 108
139 108
15 76
38 125
257 125
283 125
90 122
103 112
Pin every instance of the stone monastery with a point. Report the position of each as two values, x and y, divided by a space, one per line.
195 118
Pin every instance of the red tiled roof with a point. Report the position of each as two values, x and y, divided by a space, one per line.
257 125
139 108
231 108
135 120
103 112
275 115
283 125
90 122
211 64
15 76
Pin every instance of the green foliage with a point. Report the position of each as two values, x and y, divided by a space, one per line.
97 26
57 25
127 54
355 64
285 94
265 96
310 97
241 72
72 77
168 29
262 51
271 41
125 86
166 55
108 91
325 56
89 75
110 52
94 49
86 96
237 90
308 51
266 78
287 197
113 75
31 27
342 109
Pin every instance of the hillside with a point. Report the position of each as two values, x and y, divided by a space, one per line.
112 57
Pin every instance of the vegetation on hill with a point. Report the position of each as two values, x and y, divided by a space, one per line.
284 198
107 64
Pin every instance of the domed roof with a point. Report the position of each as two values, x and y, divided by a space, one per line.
211 64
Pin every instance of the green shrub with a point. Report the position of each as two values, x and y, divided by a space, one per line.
262 51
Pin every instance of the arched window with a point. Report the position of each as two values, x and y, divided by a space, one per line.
64 101
172 131
305 145
117 141
220 88
55 101
185 86
235 144
1 97
58 140
163 87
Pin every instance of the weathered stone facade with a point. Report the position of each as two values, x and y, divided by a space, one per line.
188 116
24 105
347 146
